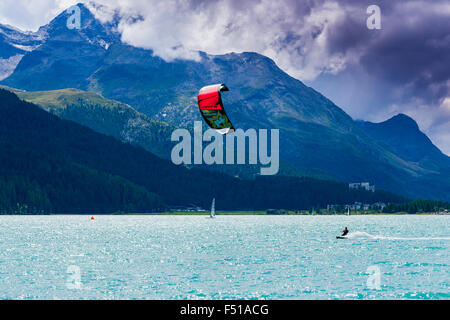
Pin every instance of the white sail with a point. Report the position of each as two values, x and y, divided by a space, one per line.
213 209
348 211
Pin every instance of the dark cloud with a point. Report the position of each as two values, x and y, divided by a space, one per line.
417 56
404 67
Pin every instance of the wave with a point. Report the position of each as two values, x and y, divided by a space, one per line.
360 234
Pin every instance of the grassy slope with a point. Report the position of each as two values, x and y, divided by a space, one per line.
103 115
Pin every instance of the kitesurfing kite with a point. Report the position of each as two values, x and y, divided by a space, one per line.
211 108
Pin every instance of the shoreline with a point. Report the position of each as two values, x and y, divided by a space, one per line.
243 213
231 213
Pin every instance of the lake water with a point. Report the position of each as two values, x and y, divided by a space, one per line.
229 257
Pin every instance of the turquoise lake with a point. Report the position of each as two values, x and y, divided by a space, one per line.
229 257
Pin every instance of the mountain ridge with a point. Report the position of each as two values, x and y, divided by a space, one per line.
403 135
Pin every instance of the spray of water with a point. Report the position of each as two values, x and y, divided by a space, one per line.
362 235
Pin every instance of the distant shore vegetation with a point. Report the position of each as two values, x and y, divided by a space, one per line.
413 207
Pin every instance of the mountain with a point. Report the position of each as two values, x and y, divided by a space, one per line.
65 57
402 136
53 164
317 138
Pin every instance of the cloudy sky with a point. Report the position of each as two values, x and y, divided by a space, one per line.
372 74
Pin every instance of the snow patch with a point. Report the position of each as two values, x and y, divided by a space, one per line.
7 66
